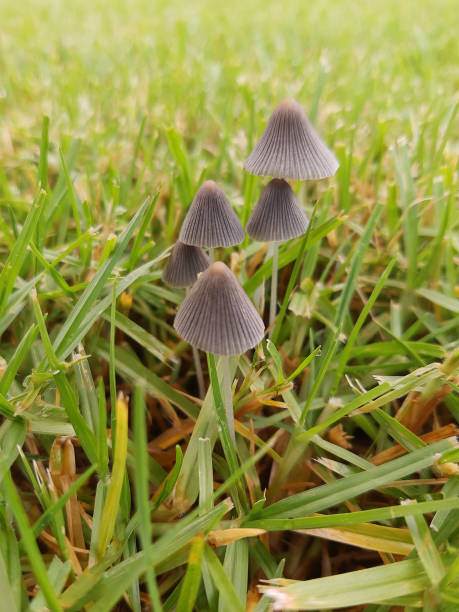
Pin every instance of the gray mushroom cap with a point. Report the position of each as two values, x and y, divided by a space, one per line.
210 221
217 316
290 147
277 215
184 264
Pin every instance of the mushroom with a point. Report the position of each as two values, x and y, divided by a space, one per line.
289 148
218 317
184 264
276 217
210 221
182 268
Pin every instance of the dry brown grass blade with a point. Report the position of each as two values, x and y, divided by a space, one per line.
63 472
419 406
433 436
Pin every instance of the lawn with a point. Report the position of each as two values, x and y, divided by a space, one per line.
120 487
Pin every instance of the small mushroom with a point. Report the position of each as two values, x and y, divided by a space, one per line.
290 147
276 217
181 270
184 264
210 220
217 316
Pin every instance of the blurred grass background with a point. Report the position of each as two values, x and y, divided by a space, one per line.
367 72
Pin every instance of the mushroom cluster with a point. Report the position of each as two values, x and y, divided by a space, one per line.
216 315
288 149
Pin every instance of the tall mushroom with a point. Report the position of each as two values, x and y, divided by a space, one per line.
289 148
181 270
218 317
210 221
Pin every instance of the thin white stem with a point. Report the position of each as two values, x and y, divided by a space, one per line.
211 254
273 302
259 296
228 395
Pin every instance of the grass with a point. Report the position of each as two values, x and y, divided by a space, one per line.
119 488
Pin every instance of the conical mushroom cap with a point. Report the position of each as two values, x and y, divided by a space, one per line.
217 316
290 148
210 221
277 215
184 265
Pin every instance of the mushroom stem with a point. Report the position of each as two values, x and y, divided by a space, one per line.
228 395
273 301
211 255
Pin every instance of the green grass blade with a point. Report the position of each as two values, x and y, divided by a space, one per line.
30 545
350 518
205 471
68 398
236 566
375 584
15 259
69 330
8 598
425 546
58 573
111 506
336 492
192 579
226 590
11 439
141 492
345 353
357 261
225 436
292 280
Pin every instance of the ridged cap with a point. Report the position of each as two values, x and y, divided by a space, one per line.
217 315
184 264
210 221
277 215
290 148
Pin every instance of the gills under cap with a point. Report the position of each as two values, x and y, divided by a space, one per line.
290 147
184 264
217 316
277 215
210 221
